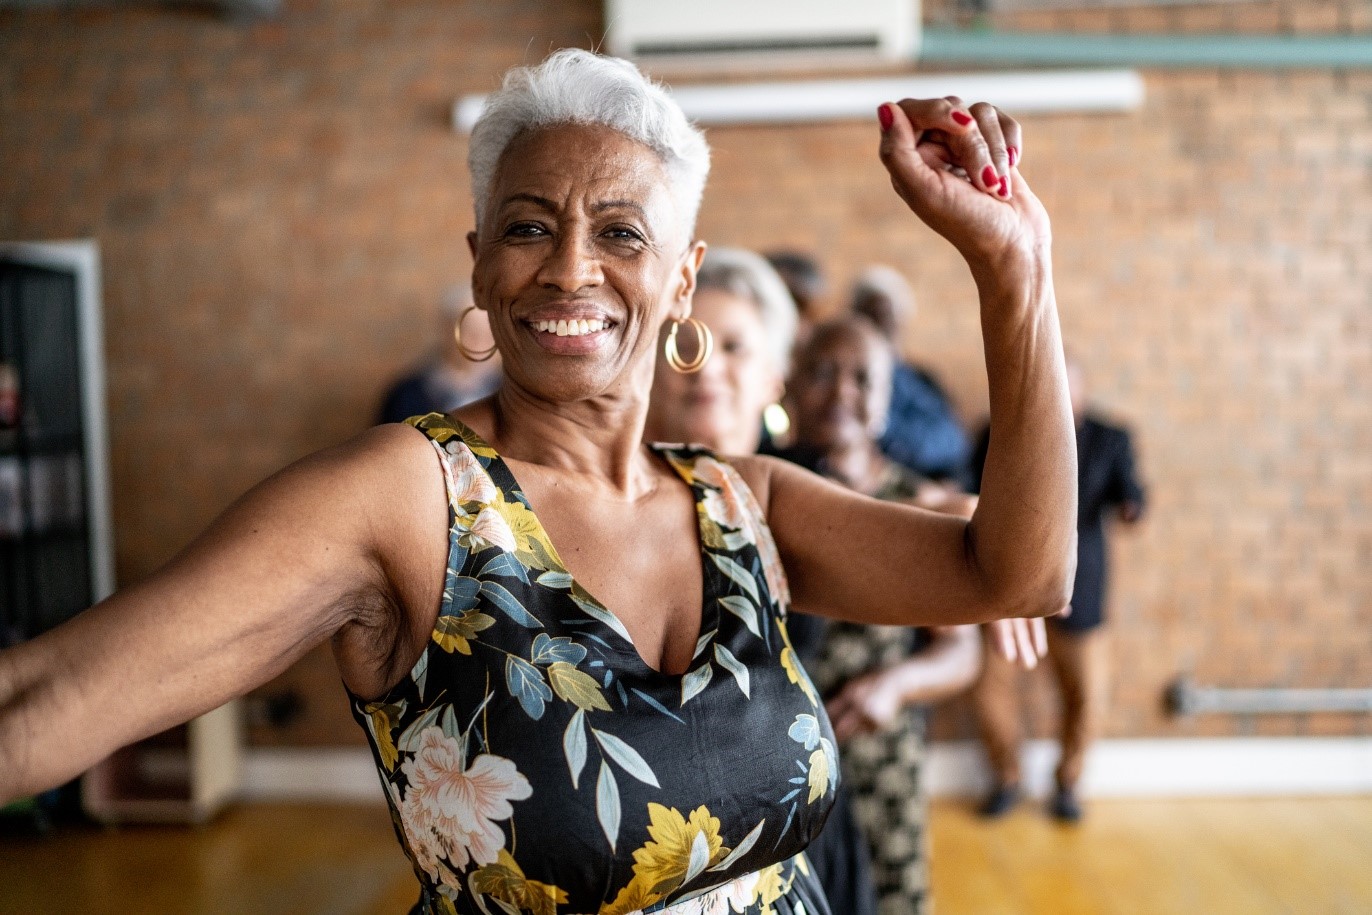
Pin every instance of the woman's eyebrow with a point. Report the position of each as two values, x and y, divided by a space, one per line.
542 203
604 205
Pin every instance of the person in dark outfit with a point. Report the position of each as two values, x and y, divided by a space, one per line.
922 431
1108 485
448 377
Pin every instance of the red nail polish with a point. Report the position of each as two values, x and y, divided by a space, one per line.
885 117
1013 153
962 118
1004 189
988 176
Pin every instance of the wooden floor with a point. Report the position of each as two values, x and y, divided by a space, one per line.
1177 856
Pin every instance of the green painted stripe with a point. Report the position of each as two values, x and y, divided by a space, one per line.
1227 51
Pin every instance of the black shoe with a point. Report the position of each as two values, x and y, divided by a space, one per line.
999 802
1064 806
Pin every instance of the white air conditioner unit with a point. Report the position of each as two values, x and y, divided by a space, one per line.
762 34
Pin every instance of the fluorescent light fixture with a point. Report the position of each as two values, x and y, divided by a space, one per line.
1031 92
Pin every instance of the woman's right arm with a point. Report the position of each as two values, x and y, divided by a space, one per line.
334 546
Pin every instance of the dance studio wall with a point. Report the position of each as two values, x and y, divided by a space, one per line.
279 206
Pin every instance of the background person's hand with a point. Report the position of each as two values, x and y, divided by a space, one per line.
1020 640
957 169
866 703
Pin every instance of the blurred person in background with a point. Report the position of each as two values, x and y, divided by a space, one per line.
1109 489
922 430
877 680
461 368
804 279
753 319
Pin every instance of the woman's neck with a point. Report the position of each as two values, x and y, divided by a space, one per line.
598 438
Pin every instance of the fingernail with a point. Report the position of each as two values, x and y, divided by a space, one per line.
988 176
962 118
885 117
1013 153
1004 190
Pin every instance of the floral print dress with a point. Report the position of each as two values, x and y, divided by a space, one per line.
534 763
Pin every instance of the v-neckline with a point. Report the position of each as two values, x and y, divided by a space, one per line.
709 613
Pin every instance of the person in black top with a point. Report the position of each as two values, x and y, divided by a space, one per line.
1108 487
460 368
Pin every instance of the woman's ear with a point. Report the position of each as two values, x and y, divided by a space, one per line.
686 280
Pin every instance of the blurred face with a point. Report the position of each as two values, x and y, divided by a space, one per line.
721 405
579 259
842 390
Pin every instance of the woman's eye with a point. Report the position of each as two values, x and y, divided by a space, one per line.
623 233
525 230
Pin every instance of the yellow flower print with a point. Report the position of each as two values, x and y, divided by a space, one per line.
771 887
794 672
632 900
819 775
383 721
487 528
453 633
678 846
505 880
522 523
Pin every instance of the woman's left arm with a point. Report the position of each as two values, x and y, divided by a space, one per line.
851 557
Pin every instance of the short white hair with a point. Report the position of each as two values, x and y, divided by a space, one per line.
750 277
574 86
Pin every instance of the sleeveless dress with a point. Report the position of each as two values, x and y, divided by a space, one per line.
534 763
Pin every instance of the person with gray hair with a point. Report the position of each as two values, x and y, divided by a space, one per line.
567 648
921 431
752 321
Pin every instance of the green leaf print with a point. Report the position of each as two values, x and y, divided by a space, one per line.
548 649
574 746
741 608
700 857
504 565
409 741
805 731
560 580
498 595
695 681
738 574
628 758
742 849
596 612
526 684
607 803
732 664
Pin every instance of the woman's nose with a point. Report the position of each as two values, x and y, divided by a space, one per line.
571 265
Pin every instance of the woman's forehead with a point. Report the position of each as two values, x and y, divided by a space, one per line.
585 167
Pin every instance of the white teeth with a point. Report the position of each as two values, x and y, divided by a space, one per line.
572 328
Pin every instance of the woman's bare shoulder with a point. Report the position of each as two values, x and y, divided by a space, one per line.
764 473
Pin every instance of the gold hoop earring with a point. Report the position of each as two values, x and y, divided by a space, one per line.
705 346
466 353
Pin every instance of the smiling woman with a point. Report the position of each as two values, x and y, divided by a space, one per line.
569 650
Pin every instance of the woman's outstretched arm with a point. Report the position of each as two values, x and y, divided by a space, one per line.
311 554
855 558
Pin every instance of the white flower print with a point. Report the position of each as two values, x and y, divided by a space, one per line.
492 528
723 502
450 810
470 482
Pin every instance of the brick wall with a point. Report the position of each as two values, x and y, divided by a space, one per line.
280 205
